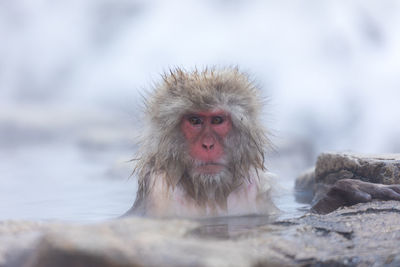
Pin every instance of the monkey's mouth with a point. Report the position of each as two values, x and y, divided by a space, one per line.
209 167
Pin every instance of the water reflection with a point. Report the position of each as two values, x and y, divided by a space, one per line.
230 227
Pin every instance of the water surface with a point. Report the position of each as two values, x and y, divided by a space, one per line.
53 181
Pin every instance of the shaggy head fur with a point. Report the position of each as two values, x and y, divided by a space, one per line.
163 148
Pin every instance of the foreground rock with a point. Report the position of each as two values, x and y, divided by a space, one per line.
331 167
366 234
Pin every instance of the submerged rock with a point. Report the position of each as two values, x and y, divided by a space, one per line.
304 186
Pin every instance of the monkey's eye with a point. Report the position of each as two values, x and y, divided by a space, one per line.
194 120
217 120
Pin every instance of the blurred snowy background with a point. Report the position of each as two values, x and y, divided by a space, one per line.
72 72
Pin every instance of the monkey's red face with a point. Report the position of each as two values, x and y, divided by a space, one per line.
205 133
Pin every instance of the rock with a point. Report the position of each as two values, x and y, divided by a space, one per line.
361 235
331 167
383 169
140 242
18 238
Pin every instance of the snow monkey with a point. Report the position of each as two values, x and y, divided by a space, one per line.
202 152
203 146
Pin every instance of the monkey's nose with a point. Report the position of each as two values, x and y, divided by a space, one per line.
208 142
208 146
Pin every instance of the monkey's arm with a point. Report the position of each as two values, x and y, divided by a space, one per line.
347 192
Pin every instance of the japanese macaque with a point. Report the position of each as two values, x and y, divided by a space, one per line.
202 150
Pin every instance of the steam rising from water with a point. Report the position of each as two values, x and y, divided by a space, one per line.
71 75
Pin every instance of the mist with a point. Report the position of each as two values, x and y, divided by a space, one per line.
73 75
